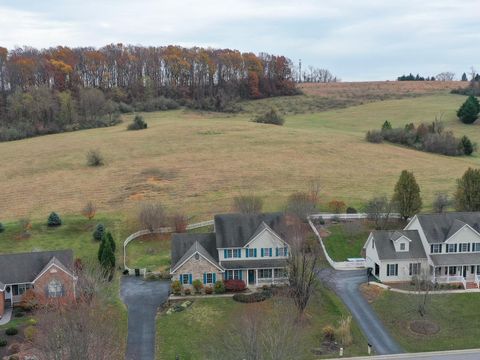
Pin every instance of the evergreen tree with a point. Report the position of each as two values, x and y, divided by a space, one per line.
407 195
469 110
107 241
466 145
107 257
464 77
99 231
386 125
54 220
467 196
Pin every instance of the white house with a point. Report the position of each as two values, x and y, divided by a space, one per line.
446 245
244 247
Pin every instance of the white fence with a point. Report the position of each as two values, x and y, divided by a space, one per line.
156 231
330 216
337 265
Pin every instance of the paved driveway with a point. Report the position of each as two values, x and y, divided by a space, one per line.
345 284
142 299
439 355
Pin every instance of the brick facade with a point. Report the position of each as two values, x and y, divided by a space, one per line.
54 273
197 267
2 303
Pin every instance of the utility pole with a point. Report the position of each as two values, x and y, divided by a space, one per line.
300 70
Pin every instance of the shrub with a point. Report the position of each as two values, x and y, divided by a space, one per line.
2 228
30 332
99 231
344 333
32 322
328 333
180 223
250 298
3 342
465 144
247 204
124 108
387 125
270 117
468 112
19 314
95 158
219 287
197 285
187 291
137 124
176 287
336 206
89 210
208 290
351 210
125 272
374 136
234 285
54 220
11 331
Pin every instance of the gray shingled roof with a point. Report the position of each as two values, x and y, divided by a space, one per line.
236 230
386 249
183 245
438 227
456 259
24 267
255 264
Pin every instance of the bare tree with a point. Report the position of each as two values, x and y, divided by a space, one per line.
300 205
83 330
445 76
152 216
261 332
379 209
314 189
247 204
441 202
423 286
89 210
179 222
301 265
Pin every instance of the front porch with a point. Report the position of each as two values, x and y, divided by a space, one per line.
467 275
258 277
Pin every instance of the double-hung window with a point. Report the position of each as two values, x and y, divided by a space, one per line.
436 248
282 251
233 275
237 253
250 253
280 273
414 269
209 278
266 252
451 248
392 269
464 247
475 247
402 246
185 278
55 289
265 273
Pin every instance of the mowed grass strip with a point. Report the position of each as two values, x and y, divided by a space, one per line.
196 162
457 315
192 333
342 244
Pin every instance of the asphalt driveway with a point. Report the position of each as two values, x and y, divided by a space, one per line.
346 285
142 299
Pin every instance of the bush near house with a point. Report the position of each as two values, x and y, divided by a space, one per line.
54 220
176 287
234 285
11 331
197 285
208 290
219 287
250 298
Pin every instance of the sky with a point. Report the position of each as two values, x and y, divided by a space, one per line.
357 40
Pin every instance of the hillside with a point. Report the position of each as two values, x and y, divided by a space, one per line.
196 162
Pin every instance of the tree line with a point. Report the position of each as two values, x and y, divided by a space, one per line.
47 90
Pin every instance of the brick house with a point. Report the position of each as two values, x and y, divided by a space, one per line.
48 273
244 247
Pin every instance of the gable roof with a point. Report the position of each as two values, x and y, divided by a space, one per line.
185 245
25 267
236 230
439 227
386 249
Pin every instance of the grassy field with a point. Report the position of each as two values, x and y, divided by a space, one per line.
457 315
343 243
192 333
196 162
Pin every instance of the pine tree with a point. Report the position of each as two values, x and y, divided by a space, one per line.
99 231
386 125
466 145
469 110
107 257
407 195
54 220
467 196
464 77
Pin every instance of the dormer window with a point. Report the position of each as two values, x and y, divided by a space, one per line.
402 247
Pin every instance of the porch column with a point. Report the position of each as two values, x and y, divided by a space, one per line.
273 276
256 277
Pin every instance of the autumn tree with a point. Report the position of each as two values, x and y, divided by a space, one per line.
89 210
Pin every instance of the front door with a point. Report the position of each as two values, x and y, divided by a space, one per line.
251 277
464 272
377 269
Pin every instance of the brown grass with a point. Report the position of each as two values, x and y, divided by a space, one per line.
371 292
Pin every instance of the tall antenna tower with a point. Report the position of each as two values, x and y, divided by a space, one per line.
300 70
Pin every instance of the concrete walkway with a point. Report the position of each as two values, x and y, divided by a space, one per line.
142 299
7 315
346 285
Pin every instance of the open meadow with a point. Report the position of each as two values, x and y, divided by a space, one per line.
196 162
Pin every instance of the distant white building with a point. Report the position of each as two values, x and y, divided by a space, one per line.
446 245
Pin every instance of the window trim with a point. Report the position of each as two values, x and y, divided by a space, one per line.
395 270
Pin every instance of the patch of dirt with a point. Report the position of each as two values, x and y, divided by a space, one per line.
327 347
136 196
424 327
371 292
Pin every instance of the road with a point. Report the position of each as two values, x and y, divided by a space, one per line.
142 299
473 354
346 285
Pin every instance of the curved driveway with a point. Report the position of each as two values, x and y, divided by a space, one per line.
142 299
346 285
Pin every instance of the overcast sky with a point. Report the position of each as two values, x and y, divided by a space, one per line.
355 39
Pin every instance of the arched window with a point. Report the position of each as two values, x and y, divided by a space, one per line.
54 289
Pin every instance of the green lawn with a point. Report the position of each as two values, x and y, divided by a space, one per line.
342 243
190 333
458 316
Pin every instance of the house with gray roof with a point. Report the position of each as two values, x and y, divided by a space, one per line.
445 247
248 247
47 273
